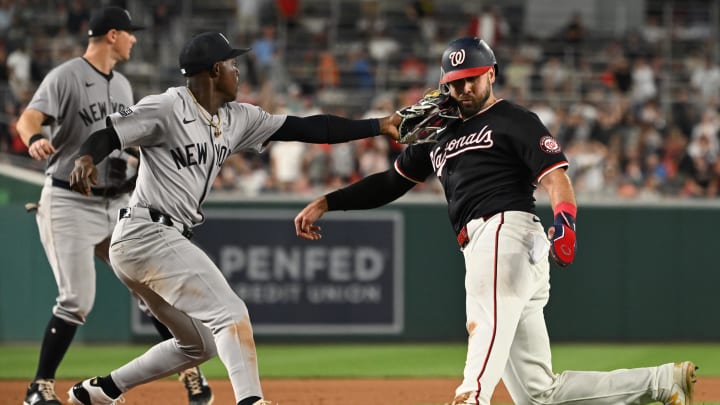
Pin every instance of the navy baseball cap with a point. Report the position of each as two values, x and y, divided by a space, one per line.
108 18
202 51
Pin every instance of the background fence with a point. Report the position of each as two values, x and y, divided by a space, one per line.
642 273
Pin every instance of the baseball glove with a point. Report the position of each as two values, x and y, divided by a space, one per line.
425 120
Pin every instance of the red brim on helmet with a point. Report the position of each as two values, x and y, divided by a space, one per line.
463 73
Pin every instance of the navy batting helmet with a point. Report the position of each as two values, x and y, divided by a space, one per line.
466 57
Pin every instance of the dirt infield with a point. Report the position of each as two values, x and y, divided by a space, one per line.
420 391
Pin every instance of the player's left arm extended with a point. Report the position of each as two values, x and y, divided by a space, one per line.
96 148
333 129
369 192
564 205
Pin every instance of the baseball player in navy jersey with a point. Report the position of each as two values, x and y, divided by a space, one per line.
73 100
489 161
184 135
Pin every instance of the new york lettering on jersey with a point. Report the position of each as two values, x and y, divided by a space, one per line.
97 111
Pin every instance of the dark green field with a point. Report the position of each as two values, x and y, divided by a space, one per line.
368 360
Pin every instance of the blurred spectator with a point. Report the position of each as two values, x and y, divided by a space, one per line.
555 77
653 33
634 123
573 35
382 46
343 166
643 81
288 11
78 16
517 74
372 156
489 25
370 19
684 113
316 163
413 69
360 70
286 166
708 127
328 72
427 20
618 76
19 75
263 52
705 79
248 17
7 12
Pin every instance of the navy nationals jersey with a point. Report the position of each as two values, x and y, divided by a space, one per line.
488 163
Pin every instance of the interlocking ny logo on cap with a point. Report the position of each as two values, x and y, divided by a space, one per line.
457 57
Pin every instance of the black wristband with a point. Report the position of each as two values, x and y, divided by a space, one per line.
35 138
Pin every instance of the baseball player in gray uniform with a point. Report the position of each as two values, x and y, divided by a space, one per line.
74 100
184 135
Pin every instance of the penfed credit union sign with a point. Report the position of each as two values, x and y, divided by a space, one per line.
349 282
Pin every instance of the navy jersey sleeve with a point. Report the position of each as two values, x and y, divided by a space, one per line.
537 147
415 163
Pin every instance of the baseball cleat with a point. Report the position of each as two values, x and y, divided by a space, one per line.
199 392
88 392
684 379
42 392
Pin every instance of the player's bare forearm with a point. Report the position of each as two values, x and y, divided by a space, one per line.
559 188
29 127
305 221
83 174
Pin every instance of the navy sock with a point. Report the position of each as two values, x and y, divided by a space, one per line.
58 336
249 401
108 385
161 328
165 332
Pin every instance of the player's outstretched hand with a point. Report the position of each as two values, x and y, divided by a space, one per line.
389 126
41 149
83 174
305 220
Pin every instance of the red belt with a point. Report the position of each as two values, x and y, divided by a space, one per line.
463 238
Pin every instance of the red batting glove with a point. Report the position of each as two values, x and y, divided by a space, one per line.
564 243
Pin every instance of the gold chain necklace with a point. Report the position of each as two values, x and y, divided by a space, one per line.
209 120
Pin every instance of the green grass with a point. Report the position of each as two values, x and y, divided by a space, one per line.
367 360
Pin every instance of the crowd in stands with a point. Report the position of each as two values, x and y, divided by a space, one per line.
636 112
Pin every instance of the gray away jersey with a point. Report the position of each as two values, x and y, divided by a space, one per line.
78 98
179 153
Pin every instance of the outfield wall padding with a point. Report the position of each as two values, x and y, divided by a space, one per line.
642 273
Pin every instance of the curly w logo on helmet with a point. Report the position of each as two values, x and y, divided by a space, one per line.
457 58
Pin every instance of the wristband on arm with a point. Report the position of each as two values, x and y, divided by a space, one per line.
35 138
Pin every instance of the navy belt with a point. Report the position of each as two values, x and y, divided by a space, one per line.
160 218
108 192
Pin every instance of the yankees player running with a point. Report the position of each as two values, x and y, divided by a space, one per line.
73 100
489 162
184 136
